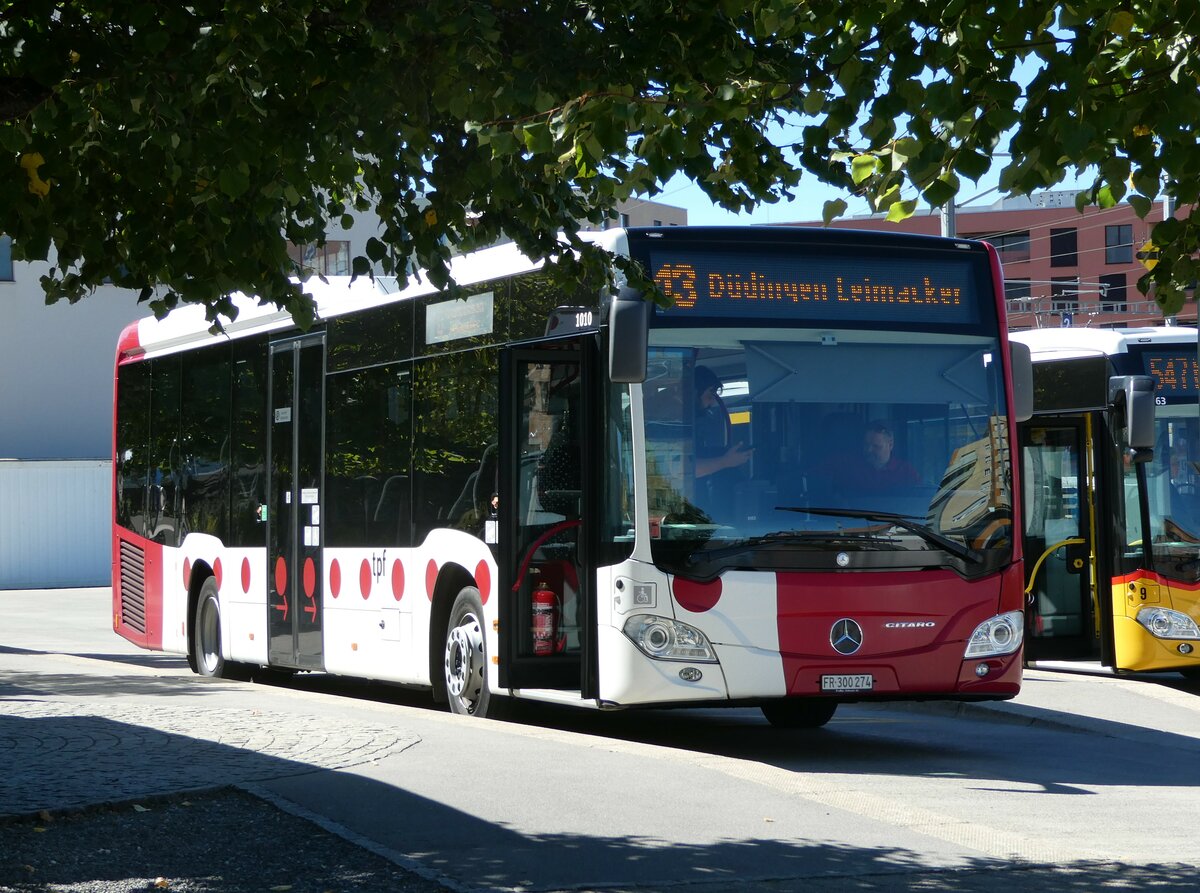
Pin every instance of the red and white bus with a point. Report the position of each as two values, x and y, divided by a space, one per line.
791 488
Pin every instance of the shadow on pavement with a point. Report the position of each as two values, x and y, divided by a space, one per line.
72 761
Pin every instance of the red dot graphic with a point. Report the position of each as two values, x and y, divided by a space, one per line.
335 578
245 575
364 578
697 597
483 580
280 575
310 577
217 572
430 578
397 580
187 572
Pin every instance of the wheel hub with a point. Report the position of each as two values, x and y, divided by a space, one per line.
464 661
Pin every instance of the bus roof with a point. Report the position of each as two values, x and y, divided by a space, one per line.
186 327
1062 344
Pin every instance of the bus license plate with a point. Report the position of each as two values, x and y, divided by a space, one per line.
855 682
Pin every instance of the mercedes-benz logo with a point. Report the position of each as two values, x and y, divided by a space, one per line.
846 637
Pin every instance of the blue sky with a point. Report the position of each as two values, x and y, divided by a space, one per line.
701 212
810 201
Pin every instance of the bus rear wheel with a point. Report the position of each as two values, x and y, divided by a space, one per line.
799 713
206 633
465 657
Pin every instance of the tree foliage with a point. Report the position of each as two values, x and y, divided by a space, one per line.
176 148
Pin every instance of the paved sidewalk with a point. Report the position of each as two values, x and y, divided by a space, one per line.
72 740
107 726
72 734
1086 698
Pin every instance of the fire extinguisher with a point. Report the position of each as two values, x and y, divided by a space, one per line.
545 620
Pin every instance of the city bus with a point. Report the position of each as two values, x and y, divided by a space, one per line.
588 495
1111 470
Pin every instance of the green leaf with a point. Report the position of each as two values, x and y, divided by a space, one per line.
233 181
971 164
1140 204
907 148
863 167
537 138
939 192
1121 22
901 211
833 209
376 250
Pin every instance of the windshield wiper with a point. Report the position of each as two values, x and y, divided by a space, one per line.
771 539
904 522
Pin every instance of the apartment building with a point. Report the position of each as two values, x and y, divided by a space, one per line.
1061 267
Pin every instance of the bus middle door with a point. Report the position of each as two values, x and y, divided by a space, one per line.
295 571
548 481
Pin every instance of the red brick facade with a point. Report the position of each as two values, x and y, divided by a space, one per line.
1057 262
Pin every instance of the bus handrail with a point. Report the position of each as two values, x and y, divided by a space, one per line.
553 531
1072 541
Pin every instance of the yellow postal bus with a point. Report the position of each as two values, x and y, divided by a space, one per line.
1111 493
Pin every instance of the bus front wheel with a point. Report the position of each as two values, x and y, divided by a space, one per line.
465 656
799 713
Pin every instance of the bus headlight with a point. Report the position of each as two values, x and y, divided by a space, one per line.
665 639
1163 623
996 636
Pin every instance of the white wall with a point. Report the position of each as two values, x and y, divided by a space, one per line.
55 524
56 369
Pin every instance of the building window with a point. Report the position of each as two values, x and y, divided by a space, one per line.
1012 247
1017 289
658 223
6 270
1064 294
1113 292
1064 247
625 220
1118 243
330 259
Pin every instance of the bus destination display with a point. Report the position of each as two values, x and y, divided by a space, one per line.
780 286
1176 374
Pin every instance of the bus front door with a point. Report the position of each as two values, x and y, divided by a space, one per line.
1060 617
547 487
295 572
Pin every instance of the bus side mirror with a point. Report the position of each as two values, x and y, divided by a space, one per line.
1132 396
1021 363
628 336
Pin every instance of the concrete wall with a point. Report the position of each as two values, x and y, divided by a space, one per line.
56 369
55 524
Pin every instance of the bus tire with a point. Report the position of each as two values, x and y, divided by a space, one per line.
799 713
465 656
206 633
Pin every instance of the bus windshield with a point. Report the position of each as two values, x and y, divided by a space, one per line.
1173 490
782 447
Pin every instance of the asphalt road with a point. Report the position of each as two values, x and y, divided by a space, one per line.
1083 782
